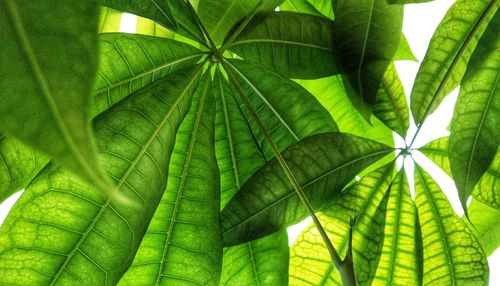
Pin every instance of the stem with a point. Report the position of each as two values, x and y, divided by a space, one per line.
241 27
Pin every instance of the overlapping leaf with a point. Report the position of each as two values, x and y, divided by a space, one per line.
295 45
475 135
313 7
485 221
323 164
449 51
62 231
488 188
109 20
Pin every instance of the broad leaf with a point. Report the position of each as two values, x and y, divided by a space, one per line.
437 151
451 253
182 245
295 45
219 16
130 62
311 263
449 51
109 20
485 221
391 106
260 262
367 34
45 98
287 110
62 231
475 134
268 203
400 262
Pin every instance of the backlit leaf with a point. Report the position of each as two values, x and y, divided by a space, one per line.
437 151
485 221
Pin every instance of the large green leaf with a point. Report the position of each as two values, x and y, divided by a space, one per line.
437 151
313 7
331 94
311 263
288 111
449 51
19 164
260 262
130 62
400 261
391 106
366 34
219 16
451 253
46 79
182 245
323 164
474 131
488 188
295 45
62 231
485 221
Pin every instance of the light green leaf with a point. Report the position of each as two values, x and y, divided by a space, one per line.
367 36
19 164
331 94
407 1
404 52
267 202
437 151
182 245
300 6
295 45
130 62
485 221
452 254
46 80
391 106
109 20
219 16
287 121
474 131
149 27
260 262
449 51
62 231
311 263
488 188
400 262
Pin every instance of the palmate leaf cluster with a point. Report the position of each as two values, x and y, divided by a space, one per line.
179 155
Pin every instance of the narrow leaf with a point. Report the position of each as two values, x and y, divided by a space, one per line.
183 245
485 221
109 20
449 51
296 45
268 203
62 231
407 1
474 132
404 52
367 34
437 151
45 98
452 254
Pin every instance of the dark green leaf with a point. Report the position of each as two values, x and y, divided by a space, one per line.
295 45
182 245
367 34
452 254
488 188
323 165
62 231
301 6
449 51
475 132
46 79
287 121
485 221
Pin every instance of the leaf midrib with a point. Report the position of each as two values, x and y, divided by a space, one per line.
286 42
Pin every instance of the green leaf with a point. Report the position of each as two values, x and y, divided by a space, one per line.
295 45
62 231
367 34
475 135
391 106
310 261
109 20
182 245
219 16
452 254
300 6
288 121
400 261
485 221
331 94
407 1
19 164
488 188
260 262
267 202
148 27
130 62
404 52
449 51
45 98
437 151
